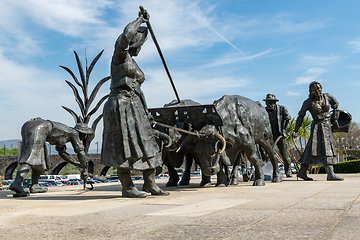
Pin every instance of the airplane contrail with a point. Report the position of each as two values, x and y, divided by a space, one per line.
213 30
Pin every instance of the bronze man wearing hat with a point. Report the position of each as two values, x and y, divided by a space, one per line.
280 123
320 149
34 155
128 138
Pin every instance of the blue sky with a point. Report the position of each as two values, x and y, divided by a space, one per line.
212 48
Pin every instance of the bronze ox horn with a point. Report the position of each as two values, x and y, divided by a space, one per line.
211 134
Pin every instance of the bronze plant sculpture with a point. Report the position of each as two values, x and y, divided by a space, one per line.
84 104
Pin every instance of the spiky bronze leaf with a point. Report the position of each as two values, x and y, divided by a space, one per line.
95 91
77 98
87 119
75 116
92 64
72 74
82 76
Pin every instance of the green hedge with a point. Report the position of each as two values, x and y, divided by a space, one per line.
352 166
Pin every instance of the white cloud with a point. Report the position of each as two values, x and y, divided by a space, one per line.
315 71
233 58
312 74
355 45
355 66
309 60
290 93
23 22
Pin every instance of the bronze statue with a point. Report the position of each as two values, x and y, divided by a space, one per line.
34 155
128 139
320 149
280 123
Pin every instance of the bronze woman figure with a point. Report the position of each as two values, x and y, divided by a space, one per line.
128 139
320 149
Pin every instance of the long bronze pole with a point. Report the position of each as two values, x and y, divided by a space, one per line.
160 53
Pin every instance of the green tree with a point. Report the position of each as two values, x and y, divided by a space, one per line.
13 151
303 134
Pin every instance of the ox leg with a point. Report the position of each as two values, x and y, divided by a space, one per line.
185 180
174 177
235 176
254 159
205 181
222 177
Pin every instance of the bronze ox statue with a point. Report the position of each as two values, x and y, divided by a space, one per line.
245 124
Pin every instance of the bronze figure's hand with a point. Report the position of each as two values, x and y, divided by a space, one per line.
145 15
294 135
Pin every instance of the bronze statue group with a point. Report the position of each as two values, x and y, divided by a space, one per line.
131 143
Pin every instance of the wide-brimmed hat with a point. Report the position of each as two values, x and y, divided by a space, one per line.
270 97
139 38
83 128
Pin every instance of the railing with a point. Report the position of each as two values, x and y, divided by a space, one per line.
10 148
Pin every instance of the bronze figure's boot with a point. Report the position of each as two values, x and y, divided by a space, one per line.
16 186
302 173
35 187
331 176
128 188
150 185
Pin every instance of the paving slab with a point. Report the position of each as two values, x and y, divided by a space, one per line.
292 209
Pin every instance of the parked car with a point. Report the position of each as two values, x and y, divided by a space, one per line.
50 177
137 178
56 184
162 175
113 178
196 173
98 179
5 183
26 185
75 182
28 180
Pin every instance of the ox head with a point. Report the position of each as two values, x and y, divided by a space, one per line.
206 148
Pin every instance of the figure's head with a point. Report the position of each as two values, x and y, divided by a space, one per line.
315 89
270 101
137 41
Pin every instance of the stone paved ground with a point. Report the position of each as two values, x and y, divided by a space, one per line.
288 210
